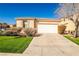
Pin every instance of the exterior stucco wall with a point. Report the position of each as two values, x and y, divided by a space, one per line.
31 23
22 23
19 23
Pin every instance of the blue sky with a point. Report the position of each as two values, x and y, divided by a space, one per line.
10 11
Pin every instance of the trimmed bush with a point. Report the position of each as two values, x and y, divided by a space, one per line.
30 31
1 32
9 33
61 29
19 32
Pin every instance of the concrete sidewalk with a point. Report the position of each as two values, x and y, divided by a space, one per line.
50 45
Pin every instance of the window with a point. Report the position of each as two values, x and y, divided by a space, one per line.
26 23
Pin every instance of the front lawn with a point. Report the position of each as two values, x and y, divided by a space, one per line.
13 44
75 40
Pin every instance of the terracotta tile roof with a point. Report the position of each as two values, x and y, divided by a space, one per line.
48 20
40 19
23 18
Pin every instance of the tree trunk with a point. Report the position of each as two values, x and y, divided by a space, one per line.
76 32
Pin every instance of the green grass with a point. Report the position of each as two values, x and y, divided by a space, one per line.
75 40
13 44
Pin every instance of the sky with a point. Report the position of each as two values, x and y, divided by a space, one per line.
10 11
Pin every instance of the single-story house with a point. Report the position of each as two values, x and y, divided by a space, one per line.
41 24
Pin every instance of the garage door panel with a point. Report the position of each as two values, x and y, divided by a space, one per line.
47 28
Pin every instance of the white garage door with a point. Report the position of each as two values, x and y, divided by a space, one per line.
47 28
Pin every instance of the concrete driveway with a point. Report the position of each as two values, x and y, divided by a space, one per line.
50 45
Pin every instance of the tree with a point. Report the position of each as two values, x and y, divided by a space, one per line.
4 25
0 25
70 11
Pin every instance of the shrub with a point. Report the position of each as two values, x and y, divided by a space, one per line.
27 32
30 31
1 32
61 29
10 32
19 32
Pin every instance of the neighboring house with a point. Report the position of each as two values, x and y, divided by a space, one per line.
3 26
41 24
12 25
70 26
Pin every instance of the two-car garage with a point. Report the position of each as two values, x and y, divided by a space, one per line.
48 26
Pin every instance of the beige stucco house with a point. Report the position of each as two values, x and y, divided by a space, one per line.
42 25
